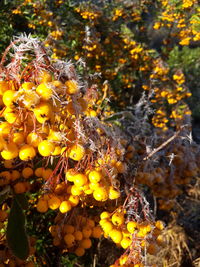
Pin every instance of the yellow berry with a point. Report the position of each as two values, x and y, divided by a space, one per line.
131 226
10 151
76 152
27 152
125 243
100 194
105 215
72 87
95 176
44 91
118 218
74 200
113 193
9 98
46 148
65 206
33 139
80 179
116 235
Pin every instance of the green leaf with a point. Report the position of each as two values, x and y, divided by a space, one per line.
16 234
22 201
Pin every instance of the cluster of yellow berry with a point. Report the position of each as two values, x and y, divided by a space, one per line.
76 236
133 236
88 14
168 99
45 122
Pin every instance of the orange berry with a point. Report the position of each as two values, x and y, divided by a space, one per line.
4 86
53 229
68 229
87 231
159 225
56 241
27 85
42 206
8 164
20 188
86 243
5 129
46 173
90 223
27 172
78 235
18 138
96 232
69 240
123 259
107 226
45 77
38 171
15 175
5 178
79 251
43 112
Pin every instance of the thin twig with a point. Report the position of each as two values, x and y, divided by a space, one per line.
163 145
